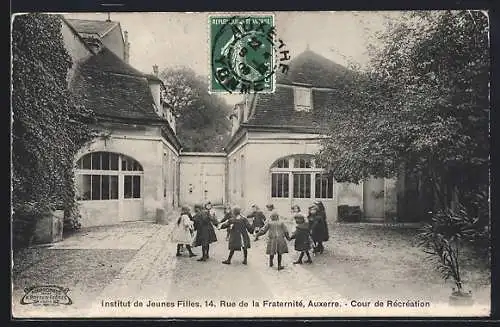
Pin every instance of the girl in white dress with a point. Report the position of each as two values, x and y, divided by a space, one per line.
183 232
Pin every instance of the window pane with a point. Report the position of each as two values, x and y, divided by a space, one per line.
307 186
113 158
282 163
96 187
318 185
286 192
137 166
279 185
113 187
105 187
96 161
136 184
302 163
324 186
274 185
127 187
301 186
130 164
105 161
296 186
86 161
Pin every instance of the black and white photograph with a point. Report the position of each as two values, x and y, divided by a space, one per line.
250 164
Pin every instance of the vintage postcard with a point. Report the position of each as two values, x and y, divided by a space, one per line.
251 164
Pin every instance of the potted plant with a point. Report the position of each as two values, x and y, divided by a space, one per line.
443 239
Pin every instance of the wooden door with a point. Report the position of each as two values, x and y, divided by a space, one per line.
213 190
373 199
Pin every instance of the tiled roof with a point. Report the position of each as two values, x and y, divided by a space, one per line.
107 61
315 70
277 109
112 88
92 27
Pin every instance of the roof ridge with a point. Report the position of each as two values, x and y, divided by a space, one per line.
100 34
115 24
75 32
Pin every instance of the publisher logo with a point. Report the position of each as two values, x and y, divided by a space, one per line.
46 295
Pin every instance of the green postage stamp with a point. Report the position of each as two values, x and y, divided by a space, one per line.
243 56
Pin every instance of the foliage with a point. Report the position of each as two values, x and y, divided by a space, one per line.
443 238
72 221
420 106
179 92
48 125
422 102
202 123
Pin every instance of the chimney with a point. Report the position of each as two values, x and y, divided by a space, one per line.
155 70
126 51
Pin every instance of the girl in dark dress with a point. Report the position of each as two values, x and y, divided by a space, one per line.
238 227
322 230
205 232
316 228
302 238
259 220
227 214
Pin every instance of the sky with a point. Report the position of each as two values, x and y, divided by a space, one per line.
181 39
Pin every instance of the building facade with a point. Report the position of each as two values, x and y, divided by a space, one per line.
131 171
135 169
270 156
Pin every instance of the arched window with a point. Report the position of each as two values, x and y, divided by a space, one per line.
298 177
99 176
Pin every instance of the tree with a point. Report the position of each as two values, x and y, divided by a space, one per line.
48 126
179 85
421 104
202 123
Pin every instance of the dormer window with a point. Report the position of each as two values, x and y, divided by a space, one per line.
302 99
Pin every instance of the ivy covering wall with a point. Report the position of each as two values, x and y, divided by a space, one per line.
49 126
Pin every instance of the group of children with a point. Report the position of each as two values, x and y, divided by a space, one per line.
310 232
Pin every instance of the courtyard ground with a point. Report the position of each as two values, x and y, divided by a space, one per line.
136 262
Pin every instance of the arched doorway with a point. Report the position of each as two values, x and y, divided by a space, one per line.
110 184
296 180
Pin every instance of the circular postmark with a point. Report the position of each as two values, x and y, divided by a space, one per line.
243 54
